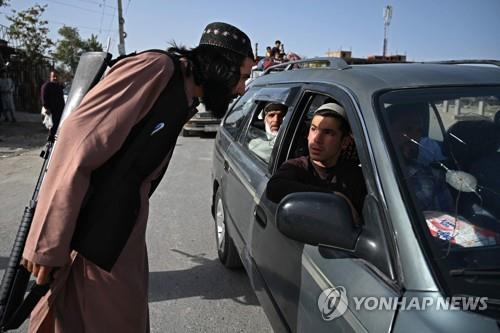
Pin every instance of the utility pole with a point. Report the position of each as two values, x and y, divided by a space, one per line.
123 34
387 21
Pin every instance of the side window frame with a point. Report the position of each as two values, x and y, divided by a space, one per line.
288 99
304 102
248 96
248 128
355 119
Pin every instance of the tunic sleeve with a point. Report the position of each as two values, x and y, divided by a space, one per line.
87 139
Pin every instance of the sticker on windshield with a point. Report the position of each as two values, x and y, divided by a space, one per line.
459 231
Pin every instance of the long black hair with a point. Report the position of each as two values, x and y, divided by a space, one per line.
216 70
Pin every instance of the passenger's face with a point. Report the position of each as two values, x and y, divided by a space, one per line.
405 130
325 141
274 120
53 76
245 70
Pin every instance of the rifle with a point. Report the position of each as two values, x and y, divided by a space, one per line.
14 307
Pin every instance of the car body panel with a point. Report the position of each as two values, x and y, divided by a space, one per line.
367 79
442 321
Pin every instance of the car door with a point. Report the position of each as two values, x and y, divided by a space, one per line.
244 171
296 274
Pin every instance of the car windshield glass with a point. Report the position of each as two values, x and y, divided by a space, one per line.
445 146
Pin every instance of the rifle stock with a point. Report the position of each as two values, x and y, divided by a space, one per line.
14 307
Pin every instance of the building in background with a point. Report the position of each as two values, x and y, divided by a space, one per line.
371 59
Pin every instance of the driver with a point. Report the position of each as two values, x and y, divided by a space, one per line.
406 126
323 170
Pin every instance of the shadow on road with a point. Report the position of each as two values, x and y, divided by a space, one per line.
18 137
208 279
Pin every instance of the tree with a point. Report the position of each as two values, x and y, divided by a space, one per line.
68 48
31 30
71 46
92 44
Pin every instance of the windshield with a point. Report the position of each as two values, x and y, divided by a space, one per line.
445 145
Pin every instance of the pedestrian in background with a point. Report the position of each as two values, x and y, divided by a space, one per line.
52 96
7 88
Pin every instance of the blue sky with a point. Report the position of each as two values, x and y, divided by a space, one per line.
423 29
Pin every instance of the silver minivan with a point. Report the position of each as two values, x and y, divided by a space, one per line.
426 257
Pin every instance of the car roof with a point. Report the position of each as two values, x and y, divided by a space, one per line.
367 79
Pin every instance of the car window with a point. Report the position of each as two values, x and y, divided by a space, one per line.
300 144
352 174
446 147
236 117
264 128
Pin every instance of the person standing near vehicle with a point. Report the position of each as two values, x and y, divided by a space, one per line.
111 153
52 96
7 88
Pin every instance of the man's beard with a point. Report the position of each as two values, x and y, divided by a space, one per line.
216 97
269 132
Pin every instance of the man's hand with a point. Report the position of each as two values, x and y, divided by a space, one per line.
42 273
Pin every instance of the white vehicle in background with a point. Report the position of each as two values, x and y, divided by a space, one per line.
203 122
255 73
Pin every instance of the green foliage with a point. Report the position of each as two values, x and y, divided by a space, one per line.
92 44
31 30
70 47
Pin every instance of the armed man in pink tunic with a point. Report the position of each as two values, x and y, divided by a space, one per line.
92 212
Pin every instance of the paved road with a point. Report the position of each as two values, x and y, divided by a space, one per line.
189 290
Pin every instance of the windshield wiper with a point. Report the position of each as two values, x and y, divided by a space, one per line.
493 272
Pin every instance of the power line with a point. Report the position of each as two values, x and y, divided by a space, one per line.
98 3
109 29
102 16
111 23
77 26
126 10
82 8
49 21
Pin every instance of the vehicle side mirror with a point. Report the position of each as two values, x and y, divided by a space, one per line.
317 219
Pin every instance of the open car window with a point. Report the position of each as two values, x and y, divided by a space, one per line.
266 119
299 145
264 128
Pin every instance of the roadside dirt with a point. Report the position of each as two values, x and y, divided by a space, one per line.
21 137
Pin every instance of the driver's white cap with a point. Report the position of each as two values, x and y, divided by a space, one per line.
334 107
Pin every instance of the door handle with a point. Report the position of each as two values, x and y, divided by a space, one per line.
260 216
226 165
